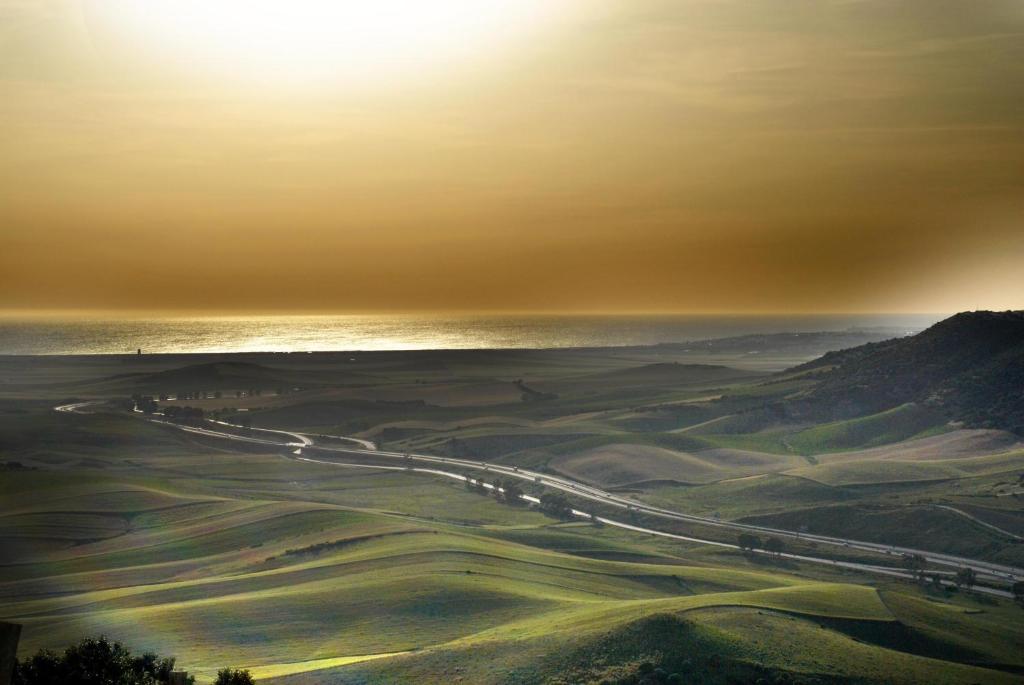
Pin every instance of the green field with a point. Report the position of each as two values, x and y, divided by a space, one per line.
327 586
309 573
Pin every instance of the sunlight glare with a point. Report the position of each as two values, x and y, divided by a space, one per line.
315 40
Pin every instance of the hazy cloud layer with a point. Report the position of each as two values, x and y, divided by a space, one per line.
685 155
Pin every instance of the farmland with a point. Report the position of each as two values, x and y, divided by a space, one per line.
230 553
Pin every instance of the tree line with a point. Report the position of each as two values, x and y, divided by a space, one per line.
508 491
98 661
752 543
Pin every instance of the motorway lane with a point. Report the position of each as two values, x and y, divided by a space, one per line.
866 568
989 570
986 570
75 407
303 441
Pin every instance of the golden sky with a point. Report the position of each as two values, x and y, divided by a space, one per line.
585 155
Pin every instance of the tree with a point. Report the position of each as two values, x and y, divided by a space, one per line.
94 661
230 676
1018 592
160 668
146 404
476 485
509 492
184 414
965 578
775 546
748 542
44 667
556 504
915 563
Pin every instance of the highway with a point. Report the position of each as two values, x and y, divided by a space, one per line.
984 569
75 407
856 566
303 442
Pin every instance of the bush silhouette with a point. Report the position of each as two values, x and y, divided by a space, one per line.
94 661
230 676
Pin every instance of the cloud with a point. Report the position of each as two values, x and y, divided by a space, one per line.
695 154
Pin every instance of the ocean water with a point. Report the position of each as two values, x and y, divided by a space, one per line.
35 335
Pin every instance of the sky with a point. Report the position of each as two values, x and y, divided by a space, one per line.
574 155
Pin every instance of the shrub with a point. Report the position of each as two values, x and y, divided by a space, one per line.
94 661
230 676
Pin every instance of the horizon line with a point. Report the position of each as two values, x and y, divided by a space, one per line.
170 313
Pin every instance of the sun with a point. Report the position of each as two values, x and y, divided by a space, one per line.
314 40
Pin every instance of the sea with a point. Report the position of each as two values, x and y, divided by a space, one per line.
47 335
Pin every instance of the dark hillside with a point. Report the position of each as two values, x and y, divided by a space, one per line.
227 375
672 373
969 366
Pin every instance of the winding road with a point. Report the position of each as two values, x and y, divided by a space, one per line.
323 454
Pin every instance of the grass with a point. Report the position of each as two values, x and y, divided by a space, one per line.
878 471
806 647
383 593
739 497
220 565
376 584
815 599
313 573
758 430
905 422
263 673
989 634
624 464
735 637
671 441
923 526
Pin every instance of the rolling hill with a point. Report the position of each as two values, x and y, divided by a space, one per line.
307 573
969 367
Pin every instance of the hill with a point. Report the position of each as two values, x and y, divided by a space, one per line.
311 573
225 375
969 367
667 372
312 590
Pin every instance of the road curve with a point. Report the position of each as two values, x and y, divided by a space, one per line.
867 568
977 520
75 407
986 570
